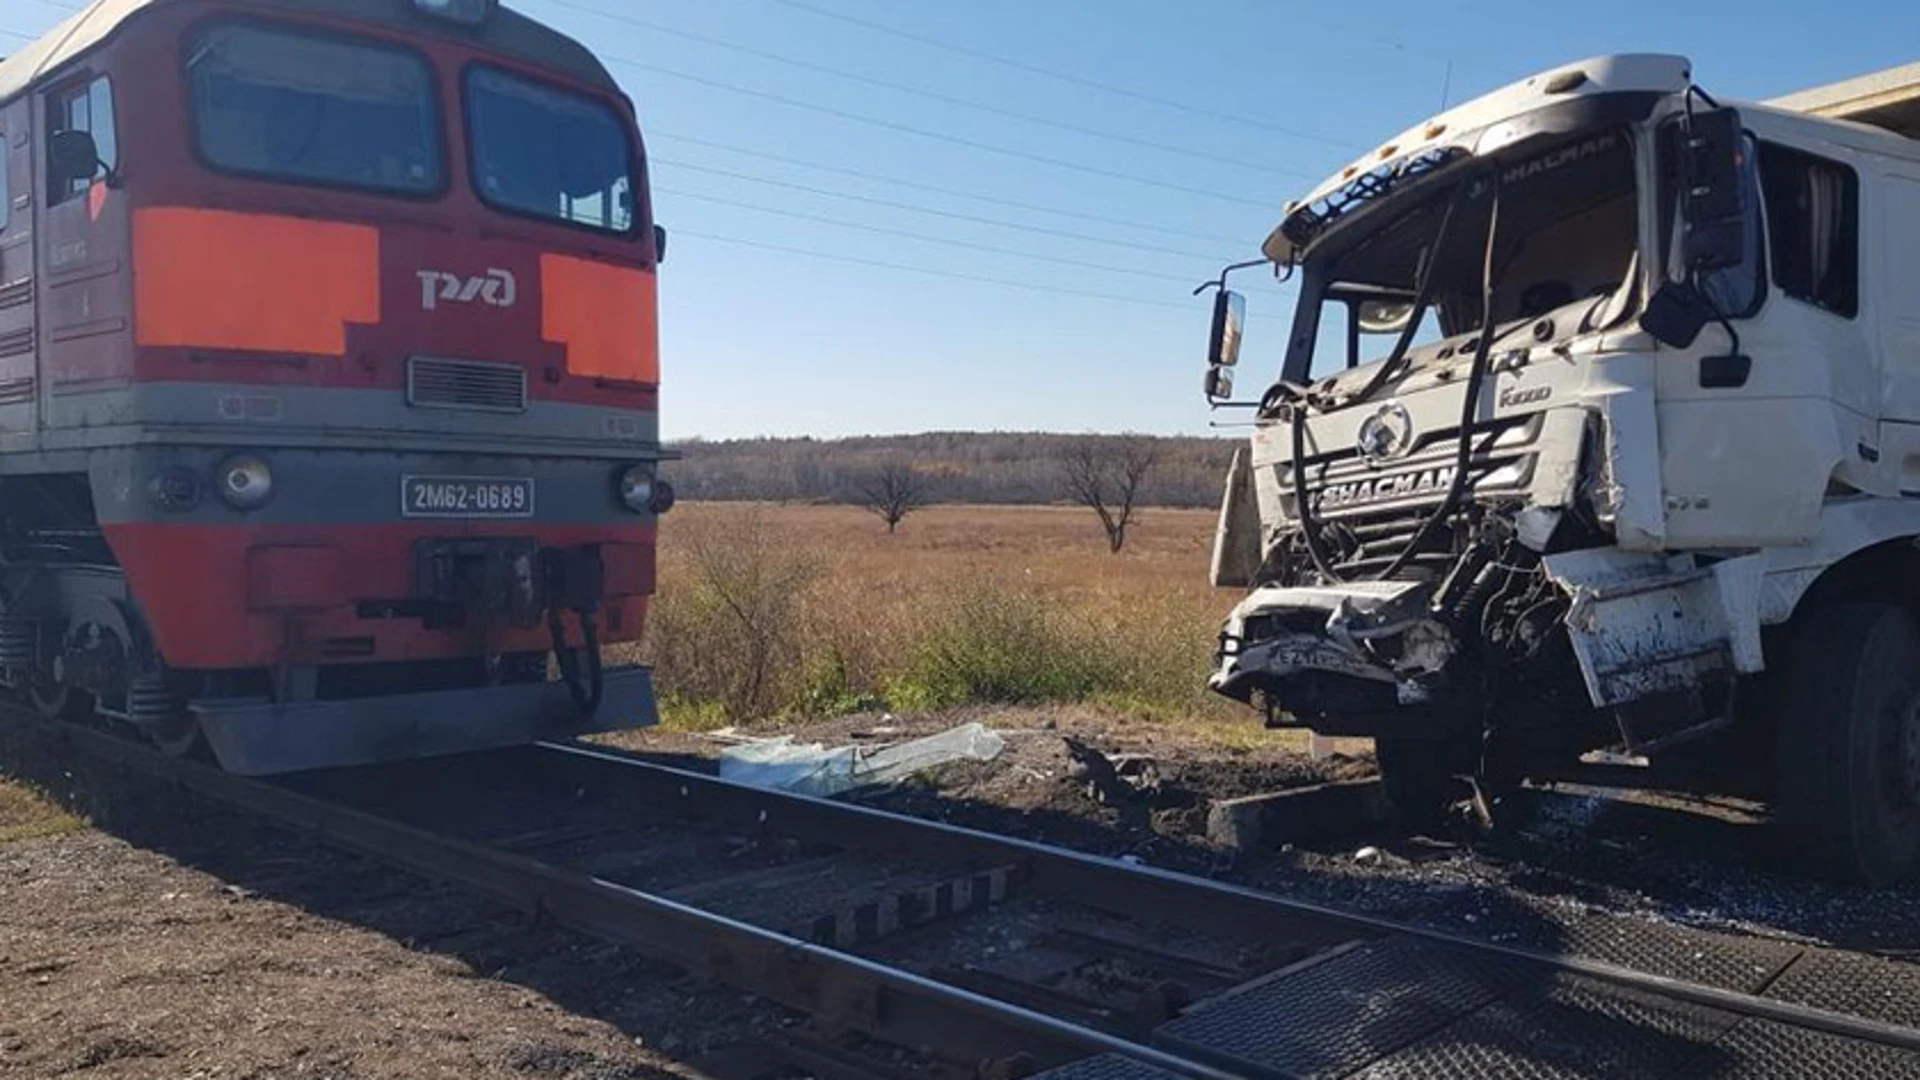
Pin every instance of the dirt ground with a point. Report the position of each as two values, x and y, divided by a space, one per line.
175 942
1677 861
183 943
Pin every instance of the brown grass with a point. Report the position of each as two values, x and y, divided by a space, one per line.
25 815
962 604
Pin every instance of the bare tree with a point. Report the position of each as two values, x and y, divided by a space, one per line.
1106 475
893 491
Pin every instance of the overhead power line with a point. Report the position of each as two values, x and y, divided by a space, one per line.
1191 308
930 95
938 136
927 238
655 133
997 223
1063 76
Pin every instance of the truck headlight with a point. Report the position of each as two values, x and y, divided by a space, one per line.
465 12
636 488
244 481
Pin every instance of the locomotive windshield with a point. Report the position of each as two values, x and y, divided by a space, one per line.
317 109
547 152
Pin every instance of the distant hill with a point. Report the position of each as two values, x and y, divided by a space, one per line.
959 466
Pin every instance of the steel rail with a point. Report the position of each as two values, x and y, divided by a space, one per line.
895 1005
1142 890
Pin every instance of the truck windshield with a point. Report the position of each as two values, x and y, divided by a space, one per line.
315 109
549 153
1567 235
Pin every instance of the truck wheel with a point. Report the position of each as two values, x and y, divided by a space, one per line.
1848 791
1422 778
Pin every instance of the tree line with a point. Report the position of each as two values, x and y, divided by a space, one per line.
954 467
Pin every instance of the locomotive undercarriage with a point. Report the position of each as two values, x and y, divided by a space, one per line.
75 645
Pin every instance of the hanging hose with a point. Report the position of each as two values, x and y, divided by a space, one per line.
1423 295
1463 458
586 695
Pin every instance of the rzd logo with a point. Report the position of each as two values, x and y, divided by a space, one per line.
495 288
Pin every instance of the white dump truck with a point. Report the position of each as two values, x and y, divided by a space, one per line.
1594 451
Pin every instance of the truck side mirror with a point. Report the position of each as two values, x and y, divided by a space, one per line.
1713 196
1223 347
1676 314
1229 315
71 156
1219 384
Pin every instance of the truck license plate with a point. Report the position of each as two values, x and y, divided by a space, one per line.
466 497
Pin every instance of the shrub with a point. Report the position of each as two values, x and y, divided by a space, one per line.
727 628
989 643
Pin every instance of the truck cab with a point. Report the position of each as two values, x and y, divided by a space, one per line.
1592 452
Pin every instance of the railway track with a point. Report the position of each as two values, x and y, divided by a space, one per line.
913 946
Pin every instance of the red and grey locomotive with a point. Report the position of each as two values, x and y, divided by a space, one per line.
328 378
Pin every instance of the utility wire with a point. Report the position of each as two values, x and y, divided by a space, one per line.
997 223
928 238
930 95
1077 80
977 278
935 135
655 133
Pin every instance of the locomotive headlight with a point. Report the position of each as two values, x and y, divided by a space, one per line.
466 12
244 481
636 488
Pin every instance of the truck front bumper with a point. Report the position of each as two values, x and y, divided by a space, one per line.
1373 631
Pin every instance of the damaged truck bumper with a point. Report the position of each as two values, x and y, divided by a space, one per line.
1377 632
1640 625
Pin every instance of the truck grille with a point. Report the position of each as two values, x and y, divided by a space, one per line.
466 384
1368 514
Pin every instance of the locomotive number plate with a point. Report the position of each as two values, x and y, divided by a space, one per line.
466 497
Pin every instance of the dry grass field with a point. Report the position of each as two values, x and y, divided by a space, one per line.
781 611
25 815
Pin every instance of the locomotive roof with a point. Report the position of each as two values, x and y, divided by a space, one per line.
507 32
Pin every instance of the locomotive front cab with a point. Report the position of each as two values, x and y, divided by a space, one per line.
340 422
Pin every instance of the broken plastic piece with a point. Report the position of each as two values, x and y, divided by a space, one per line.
815 769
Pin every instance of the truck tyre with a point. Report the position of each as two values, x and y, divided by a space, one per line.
1848 795
1422 780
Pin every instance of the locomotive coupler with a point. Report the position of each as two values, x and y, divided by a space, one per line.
480 579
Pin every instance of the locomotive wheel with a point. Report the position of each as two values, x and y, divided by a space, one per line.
58 701
162 717
177 737
1422 778
1848 793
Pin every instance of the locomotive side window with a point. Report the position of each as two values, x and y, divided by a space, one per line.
548 152
89 108
315 109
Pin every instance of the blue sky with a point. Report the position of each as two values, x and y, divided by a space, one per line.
830 234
